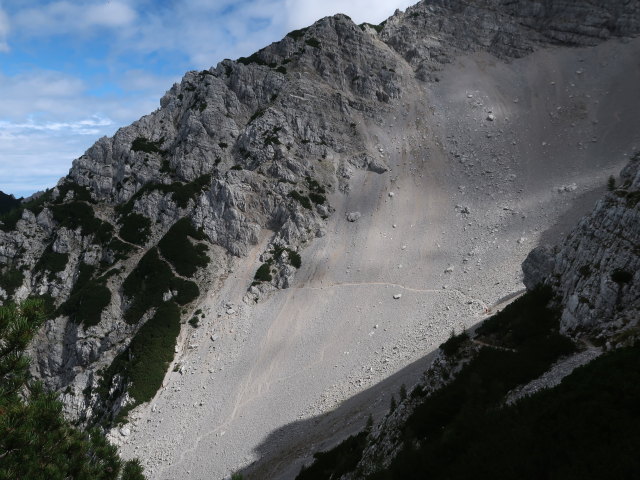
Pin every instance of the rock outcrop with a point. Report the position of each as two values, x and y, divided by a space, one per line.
595 272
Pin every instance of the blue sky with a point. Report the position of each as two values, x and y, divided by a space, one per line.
72 71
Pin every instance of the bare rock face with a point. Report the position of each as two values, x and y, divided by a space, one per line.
596 270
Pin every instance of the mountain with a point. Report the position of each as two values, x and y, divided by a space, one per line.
301 226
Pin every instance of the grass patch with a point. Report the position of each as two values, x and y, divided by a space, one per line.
144 363
298 34
80 193
146 285
300 198
74 215
263 274
51 262
142 144
180 192
176 247
88 298
10 280
135 228
313 42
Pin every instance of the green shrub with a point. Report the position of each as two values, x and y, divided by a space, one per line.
317 198
142 144
281 70
74 215
302 199
145 286
10 280
176 247
263 274
236 167
143 364
51 262
294 258
88 298
313 42
297 34
135 228
10 219
120 249
37 443
194 322
611 183
80 193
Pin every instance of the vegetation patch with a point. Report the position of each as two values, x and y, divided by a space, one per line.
10 280
74 215
120 249
142 144
180 192
141 367
88 298
51 262
80 193
263 274
182 254
10 218
135 228
298 34
313 42
452 346
300 198
36 441
149 281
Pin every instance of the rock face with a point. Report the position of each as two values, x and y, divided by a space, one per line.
249 148
596 271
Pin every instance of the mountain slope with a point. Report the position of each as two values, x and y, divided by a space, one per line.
266 158
504 399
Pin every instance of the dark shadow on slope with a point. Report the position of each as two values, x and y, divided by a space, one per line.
285 450
580 207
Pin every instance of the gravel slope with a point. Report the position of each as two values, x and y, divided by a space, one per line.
521 147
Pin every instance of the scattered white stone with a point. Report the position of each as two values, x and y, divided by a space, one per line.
391 194
230 311
397 296
521 240
449 269
214 337
491 117
572 187
177 349
125 431
154 408
353 216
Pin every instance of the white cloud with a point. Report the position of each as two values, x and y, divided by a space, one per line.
4 31
64 17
